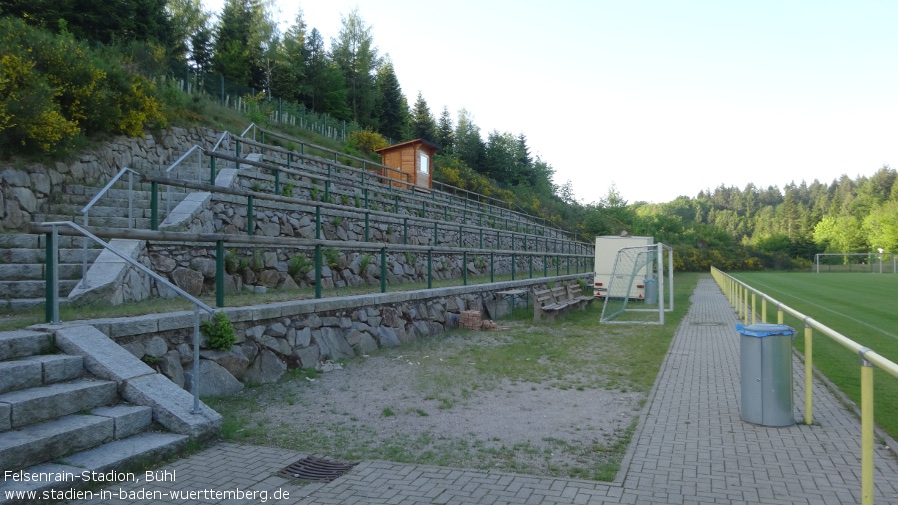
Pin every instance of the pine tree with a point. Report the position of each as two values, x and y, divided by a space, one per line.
354 53
445 132
391 109
422 125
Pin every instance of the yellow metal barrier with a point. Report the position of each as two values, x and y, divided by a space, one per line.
738 294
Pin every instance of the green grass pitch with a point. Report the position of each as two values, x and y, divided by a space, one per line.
860 306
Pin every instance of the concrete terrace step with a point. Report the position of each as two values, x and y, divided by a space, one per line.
35 272
34 289
43 403
22 343
40 370
66 256
127 455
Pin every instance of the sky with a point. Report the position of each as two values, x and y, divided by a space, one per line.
655 99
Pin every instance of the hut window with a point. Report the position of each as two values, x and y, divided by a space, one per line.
423 161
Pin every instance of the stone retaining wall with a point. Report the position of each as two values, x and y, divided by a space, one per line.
29 189
275 337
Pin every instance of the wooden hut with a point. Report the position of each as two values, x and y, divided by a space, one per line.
412 162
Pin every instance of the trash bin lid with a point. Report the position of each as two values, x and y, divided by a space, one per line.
765 330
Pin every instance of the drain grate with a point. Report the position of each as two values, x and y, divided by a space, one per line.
707 323
316 469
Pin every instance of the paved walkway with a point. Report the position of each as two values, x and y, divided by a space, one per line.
690 447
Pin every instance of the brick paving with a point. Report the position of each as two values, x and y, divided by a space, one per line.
690 447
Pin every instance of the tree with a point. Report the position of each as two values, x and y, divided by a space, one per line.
391 107
97 21
243 35
445 132
325 90
188 19
289 66
422 125
469 145
354 53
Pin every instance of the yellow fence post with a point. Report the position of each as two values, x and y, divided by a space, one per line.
779 314
754 309
763 310
808 373
866 429
745 312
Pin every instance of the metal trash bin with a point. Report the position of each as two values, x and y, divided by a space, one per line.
651 291
765 355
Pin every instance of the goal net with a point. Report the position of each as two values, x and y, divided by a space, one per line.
636 290
872 262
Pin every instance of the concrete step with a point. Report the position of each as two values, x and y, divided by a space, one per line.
66 256
43 403
132 454
22 343
46 441
35 272
34 289
40 370
39 241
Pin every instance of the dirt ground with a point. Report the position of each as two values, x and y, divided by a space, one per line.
425 403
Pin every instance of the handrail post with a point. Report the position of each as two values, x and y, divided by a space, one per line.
808 373
866 429
277 182
429 268
51 303
212 170
250 223
154 205
318 271
130 198
512 265
196 359
219 273
492 262
84 282
763 309
754 310
383 269
779 314
464 268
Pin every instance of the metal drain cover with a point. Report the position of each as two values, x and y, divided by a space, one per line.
316 469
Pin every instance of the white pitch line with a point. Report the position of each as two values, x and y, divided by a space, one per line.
864 323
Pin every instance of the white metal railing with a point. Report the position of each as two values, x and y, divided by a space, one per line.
53 291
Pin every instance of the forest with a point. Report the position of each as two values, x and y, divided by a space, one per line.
74 69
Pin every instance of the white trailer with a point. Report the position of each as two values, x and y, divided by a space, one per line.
607 247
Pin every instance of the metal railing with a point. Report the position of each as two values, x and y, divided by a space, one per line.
580 263
86 213
744 299
52 290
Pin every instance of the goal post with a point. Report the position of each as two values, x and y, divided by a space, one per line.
636 289
869 262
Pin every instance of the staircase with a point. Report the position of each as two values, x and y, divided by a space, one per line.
58 419
23 256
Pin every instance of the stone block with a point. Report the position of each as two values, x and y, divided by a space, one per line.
102 357
127 419
59 367
266 368
172 406
214 379
22 374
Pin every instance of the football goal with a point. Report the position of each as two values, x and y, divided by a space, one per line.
871 262
636 290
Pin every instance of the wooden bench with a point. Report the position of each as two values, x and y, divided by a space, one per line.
575 293
544 306
548 303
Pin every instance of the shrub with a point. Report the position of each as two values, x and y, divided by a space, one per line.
331 257
365 141
298 267
219 332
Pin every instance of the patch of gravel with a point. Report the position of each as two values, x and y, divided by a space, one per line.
408 404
